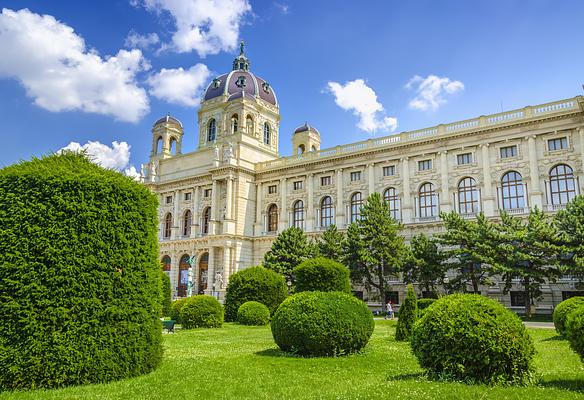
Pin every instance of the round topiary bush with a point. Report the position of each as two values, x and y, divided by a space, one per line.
79 275
474 339
175 308
201 311
254 284
322 324
253 313
574 329
423 304
323 275
562 310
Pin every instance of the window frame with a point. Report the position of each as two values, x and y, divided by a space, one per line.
388 170
464 159
563 143
425 165
504 150
512 191
355 176
467 194
427 201
187 223
327 212
298 214
355 204
562 185
212 130
391 196
272 218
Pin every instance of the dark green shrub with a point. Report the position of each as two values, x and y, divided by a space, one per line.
423 304
79 275
323 275
472 338
254 284
408 314
175 308
322 324
574 329
562 310
201 311
166 294
253 313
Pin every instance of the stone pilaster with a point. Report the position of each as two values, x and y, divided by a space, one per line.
488 198
340 204
407 205
445 204
535 192
310 203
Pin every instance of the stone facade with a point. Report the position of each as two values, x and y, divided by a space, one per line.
222 205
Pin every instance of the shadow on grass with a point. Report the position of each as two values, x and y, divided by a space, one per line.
554 338
407 377
574 385
273 353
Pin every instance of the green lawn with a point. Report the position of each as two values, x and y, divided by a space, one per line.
237 362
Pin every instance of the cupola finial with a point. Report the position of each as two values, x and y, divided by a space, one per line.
241 48
241 62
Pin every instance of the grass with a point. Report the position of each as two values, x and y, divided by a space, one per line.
239 362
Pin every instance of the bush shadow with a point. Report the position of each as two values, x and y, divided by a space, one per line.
273 352
573 385
554 338
407 377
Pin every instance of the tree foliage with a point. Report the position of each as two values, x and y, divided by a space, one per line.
408 315
570 224
425 264
323 275
166 294
330 244
290 248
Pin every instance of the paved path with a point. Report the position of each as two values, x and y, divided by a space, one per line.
543 325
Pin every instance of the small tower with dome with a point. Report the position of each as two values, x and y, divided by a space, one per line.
306 138
167 134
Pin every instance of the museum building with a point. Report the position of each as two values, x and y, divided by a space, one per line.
222 205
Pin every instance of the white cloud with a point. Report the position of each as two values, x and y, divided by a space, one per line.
52 63
179 86
115 157
205 26
430 91
359 98
135 40
284 8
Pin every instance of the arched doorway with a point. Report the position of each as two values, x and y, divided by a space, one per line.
183 276
203 273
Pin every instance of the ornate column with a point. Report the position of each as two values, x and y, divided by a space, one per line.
371 178
175 215
283 220
258 217
407 205
211 271
229 198
213 218
535 193
581 135
445 195
488 199
310 203
340 205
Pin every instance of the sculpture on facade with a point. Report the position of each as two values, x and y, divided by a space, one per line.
227 153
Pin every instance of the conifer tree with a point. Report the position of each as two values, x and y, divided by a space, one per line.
408 314
290 248
330 244
425 264
570 224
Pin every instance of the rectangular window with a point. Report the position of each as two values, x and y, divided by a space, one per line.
272 189
389 170
508 151
188 196
558 144
207 192
297 185
392 296
465 158
325 181
355 176
168 199
517 299
424 165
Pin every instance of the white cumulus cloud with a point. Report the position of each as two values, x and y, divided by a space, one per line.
205 26
431 91
135 40
59 73
179 86
359 98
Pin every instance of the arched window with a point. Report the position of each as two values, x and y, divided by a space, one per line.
173 146
249 124
356 203
298 214
167 225
313 148
211 130
159 145
301 149
392 199
562 185
205 221
166 263
234 123
187 222
326 212
512 191
273 218
183 275
267 137
428 201
468 196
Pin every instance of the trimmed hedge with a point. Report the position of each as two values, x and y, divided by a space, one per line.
253 313
166 294
408 315
575 329
175 308
423 304
79 275
201 311
323 275
322 324
562 310
254 284
471 338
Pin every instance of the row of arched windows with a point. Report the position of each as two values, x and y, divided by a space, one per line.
183 272
212 128
187 222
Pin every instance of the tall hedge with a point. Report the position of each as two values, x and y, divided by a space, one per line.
408 315
166 294
254 284
321 274
79 275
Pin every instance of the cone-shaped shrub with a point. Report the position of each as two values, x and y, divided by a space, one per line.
408 314
562 310
253 313
79 275
201 311
254 284
323 275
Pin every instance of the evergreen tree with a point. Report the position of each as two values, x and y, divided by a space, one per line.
528 252
290 248
166 294
408 314
330 244
570 224
375 249
425 264
469 249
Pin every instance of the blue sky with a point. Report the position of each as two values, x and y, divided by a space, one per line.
343 66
